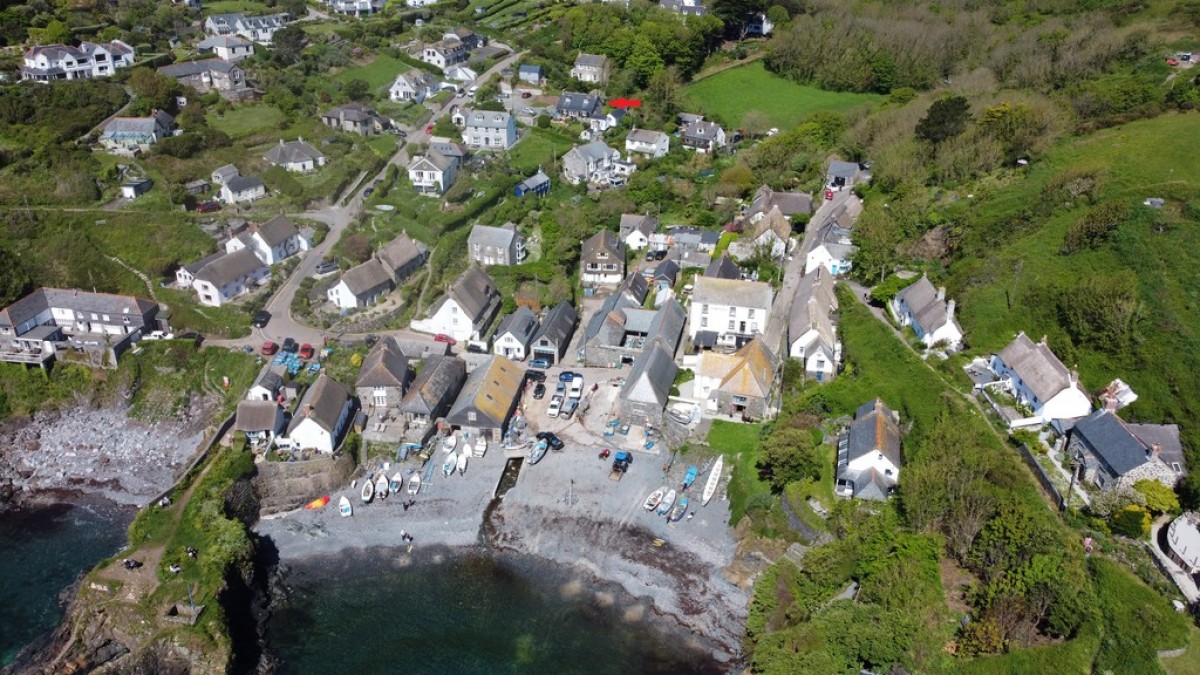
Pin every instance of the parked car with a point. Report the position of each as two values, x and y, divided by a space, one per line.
368 191
566 376
560 390
370 339
429 129
208 207
327 266
539 391
535 375
551 439
526 94
568 408
539 363
158 335
660 254
290 346
476 349
269 348
555 406
650 256
442 337
307 351
261 318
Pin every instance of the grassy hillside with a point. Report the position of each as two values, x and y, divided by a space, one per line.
1013 275
732 93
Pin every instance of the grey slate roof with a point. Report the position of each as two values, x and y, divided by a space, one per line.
846 170
243 183
648 136
366 277
190 68
922 300
487 119
723 268
1112 441
256 416
571 101
1165 437
558 325
835 239
385 366
81 301
813 307
592 152
227 41
291 152
874 429
667 271
635 287
268 379
522 324
641 222
488 235
322 403
439 382
1037 366
651 377
591 60
667 325
604 241
230 267
789 203
277 230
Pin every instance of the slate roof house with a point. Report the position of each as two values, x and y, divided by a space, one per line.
433 173
413 86
1038 379
31 327
728 313
591 68
272 242
445 53
841 175
602 260
788 203
636 229
228 276
433 392
723 268
812 333
228 48
647 142
295 156
260 28
621 328
488 245
207 75
355 118
832 249
538 184
1117 454
383 377
321 418
926 310
489 130
770 236
702 136
582 163
130 135
868 459
239 189
487 400
47 63
554 335
530 74
356 7
267 387
515 333
742 384
573 105
471 303
648 386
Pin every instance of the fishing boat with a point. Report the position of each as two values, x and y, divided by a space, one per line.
537 452
381 487
654 499
449 465
450 443
462 462
480 446
714 479
414 484
368 491
397 483
317 503
680 510
345 508
664 507
689 477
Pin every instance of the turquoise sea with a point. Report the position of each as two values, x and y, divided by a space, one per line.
44 551
467 614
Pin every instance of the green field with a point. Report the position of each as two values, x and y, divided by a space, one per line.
540 148
379 73
732 93
246 120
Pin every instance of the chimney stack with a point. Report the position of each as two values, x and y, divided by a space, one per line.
950 310
941 293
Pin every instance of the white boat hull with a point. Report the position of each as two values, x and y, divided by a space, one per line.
414 484
714 480
345 508
480 446
450 464
462 463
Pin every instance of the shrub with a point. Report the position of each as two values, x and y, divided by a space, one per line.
1133 521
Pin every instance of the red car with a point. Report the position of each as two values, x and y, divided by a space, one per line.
829 194
306 351
442 337
207 207
269 348
429 129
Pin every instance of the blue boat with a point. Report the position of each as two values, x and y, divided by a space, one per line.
690 477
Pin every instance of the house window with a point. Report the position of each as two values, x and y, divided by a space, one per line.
750 314
379 397
732 311
704 309
602 255
731 324
739 400
471 416
704 322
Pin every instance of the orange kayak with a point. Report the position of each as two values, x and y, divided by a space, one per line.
317 503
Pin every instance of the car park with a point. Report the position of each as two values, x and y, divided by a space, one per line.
261 318
269 348
306 351
442 337
555 406
539 363
539 391
290 346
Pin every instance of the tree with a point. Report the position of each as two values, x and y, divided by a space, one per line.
644 61
947 118
357 89
14 280
755 123
1159 497
153 89
664 93
788 455
1109 502
55 33
735 12
738 179
288 42
1133 521
778 15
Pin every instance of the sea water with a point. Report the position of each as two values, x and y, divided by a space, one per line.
474 613
44 550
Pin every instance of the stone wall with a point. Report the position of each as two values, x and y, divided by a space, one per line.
283 486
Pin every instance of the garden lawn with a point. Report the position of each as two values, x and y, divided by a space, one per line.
379 73
739 443
730 94
541 147
246 120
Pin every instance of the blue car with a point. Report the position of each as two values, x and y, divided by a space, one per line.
566 376
539 363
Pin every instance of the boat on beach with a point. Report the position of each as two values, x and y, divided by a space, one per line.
462 462
689 477
344 507
368 491
317 503
397 483
381 487
664 507
450 443
450 464
714 479
414 484
654 499
538 452
480 446
680 510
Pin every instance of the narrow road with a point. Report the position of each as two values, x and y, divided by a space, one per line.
338 218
